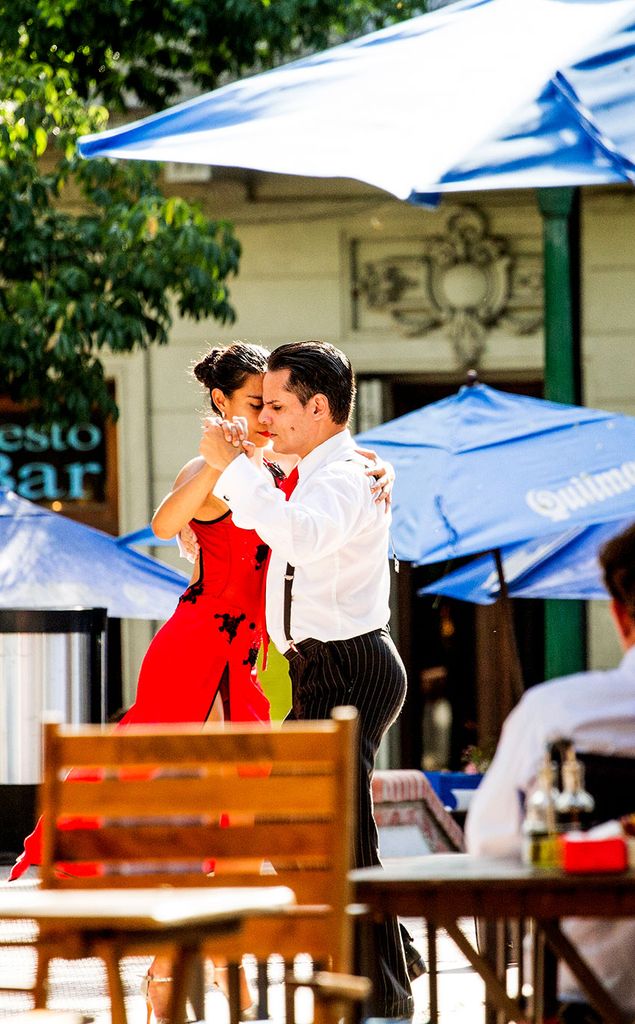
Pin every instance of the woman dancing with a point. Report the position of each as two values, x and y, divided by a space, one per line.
210 644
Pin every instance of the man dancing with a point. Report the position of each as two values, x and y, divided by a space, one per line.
328 578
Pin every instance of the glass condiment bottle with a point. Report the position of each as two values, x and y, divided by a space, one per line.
574 805
539 831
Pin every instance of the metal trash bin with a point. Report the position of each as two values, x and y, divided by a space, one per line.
52 662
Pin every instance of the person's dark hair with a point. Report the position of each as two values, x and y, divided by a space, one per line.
617 559
228 368
317 368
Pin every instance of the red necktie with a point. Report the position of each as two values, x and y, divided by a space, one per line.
287 485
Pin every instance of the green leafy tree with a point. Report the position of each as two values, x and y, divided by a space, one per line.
147 47
75 283
92 255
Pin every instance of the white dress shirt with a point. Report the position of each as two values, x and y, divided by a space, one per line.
331 530
597 711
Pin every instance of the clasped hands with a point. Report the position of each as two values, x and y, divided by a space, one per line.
224 440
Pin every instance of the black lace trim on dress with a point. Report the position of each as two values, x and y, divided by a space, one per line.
230 624
261 555
194 591
210 522
252 656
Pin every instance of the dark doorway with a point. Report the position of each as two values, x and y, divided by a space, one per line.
451 648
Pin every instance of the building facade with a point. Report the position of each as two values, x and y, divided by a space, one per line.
415 297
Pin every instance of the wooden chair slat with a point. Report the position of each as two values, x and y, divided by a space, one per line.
148 745
308 885
129 880
138 843
197 797
312 934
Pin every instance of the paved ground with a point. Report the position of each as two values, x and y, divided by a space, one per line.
81 985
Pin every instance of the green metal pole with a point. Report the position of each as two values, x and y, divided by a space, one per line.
565 621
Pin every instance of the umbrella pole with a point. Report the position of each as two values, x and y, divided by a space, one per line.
508 632
560 209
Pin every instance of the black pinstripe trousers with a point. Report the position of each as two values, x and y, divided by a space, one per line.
367 672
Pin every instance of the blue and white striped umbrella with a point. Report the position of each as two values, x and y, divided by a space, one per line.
562 567
481 94
50 561
485 468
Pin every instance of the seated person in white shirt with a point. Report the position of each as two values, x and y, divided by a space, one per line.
597 711
330 541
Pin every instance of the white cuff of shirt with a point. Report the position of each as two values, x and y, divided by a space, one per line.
237 481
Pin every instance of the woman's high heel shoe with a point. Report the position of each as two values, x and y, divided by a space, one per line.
249 1009
152 979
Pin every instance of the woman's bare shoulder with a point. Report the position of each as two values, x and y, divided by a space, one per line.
211 507
189 470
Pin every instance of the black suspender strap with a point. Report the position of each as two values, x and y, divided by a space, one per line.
288 586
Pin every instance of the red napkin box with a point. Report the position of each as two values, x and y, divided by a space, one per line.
582 854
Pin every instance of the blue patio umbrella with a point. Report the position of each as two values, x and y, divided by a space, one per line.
484 469
564 567
481 94
49 561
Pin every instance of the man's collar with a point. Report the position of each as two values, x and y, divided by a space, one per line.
629 657
342 441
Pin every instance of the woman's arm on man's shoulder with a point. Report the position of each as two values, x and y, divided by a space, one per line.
190 498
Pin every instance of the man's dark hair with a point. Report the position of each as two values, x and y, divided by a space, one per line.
617 559
317 368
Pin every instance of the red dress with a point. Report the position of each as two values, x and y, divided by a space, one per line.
211 642
209 645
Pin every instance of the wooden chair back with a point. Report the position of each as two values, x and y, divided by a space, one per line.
232 804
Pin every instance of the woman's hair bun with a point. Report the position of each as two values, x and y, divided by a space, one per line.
228 368
206 370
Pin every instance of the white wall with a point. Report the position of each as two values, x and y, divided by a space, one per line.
608 320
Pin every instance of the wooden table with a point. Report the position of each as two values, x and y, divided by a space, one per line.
112 923
443 888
